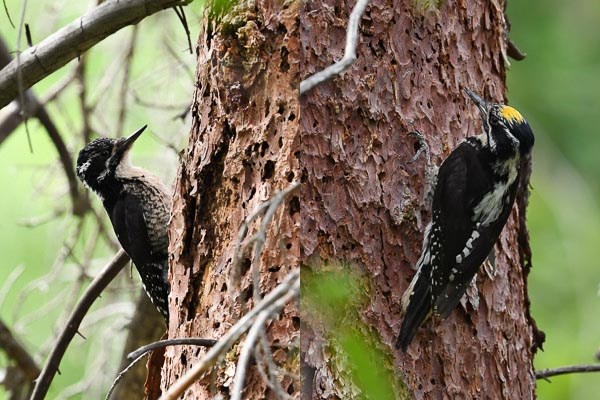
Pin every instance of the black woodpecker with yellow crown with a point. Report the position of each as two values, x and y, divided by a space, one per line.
138 205
473 197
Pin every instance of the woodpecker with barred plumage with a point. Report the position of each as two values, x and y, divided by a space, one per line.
138 205
473 197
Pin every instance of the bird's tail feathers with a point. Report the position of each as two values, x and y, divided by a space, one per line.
417 306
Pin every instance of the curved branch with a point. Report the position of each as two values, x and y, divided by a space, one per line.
58 49
171 342
349 52
93 291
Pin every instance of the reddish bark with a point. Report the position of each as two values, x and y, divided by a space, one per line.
241 151
362 203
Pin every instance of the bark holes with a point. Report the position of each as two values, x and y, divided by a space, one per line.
268 170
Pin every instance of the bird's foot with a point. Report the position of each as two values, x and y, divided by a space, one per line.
430 169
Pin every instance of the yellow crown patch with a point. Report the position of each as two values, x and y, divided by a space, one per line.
511 115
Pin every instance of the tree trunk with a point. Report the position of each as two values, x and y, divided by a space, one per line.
362 203
241 151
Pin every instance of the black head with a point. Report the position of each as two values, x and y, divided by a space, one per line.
100 158
502 121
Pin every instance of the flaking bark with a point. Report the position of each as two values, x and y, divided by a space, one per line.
362 202
241 151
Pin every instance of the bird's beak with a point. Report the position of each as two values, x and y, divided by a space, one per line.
126 144
481 103
122 146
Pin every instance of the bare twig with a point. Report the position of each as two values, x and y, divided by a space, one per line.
349 52
268 208
249 344
19 75
121 374
573 369
8 14
181 15
15 351
289 288
270 377
93 291
41 60
171 342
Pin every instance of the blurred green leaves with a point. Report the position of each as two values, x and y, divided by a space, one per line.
334 297
557 87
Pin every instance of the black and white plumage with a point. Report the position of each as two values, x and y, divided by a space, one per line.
473 197
138 205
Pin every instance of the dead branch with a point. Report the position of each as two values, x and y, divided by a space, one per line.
254 333
288 289
15 351
572 369
58 49
93 291
181 15
349 52
170 342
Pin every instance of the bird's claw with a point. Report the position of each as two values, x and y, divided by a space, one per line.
423 147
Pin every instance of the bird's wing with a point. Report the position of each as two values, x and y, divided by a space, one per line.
461 183
130 226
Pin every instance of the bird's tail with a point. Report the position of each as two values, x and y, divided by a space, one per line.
417 306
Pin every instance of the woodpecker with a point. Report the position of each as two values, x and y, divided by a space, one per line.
473 197
138 205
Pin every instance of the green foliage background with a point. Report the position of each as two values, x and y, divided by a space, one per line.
557 88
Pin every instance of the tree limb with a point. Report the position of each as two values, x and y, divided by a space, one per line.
93 291
572 369
58 49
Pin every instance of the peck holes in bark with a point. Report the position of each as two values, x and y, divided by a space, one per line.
268 170
294 205
183 359
284 65
264 146
296 322
290 176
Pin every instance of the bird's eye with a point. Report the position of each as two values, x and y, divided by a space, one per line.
494 118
